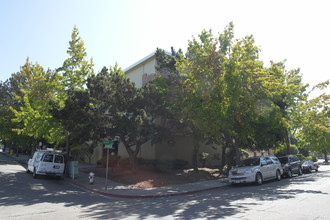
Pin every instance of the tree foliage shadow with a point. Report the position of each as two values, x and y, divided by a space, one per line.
215 204
21 189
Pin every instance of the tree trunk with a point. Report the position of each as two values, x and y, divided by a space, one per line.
195 154
132 163
287 142
195 162
230 155
132 155
223 158
237 151
231 141
326 157
67 146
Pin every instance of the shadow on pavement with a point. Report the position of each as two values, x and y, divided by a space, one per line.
19 188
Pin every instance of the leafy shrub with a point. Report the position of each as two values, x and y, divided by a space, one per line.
281 150
314 159
301 157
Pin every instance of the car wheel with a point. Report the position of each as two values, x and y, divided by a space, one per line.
27 171
299 171
259 179
317 169
289 173
309 169
278 175
34 174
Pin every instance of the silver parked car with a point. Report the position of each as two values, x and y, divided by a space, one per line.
257 170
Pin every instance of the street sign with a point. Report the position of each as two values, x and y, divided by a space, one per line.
108 144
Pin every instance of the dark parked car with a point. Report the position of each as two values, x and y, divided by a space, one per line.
291 165
309 165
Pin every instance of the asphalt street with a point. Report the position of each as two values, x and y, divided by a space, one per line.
301 197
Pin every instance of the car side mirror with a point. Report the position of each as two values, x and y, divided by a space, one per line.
263 163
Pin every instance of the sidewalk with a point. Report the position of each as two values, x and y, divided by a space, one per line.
21 158
115 189
123 191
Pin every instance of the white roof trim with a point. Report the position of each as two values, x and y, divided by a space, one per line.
143 60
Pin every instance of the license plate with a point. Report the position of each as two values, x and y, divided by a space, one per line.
56 167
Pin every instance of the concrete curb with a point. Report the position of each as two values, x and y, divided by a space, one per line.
101 192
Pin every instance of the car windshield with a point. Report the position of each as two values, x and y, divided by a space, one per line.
250 162
306 162
283 160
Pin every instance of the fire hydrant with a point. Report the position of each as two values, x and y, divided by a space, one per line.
91 177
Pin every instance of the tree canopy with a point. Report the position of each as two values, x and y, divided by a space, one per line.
39 88
120 109
76 69
227 92
218 91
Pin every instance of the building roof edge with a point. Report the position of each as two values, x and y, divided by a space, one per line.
143 60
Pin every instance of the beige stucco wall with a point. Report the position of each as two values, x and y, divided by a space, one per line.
136 74
147 151
182 149
96 156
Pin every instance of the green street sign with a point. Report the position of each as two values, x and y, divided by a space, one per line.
107 144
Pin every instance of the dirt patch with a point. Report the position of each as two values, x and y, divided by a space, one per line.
146 178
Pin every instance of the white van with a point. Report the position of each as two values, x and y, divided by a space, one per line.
46 162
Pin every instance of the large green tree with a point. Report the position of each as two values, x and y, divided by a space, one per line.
75 117
315 124
37 89
222 85
171 83
7 136
120 109
75 72
10 89
228 93
208 91
288 94
76 69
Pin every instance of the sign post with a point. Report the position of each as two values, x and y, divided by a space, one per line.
107 145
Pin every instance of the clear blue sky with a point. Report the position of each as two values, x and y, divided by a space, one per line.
124 31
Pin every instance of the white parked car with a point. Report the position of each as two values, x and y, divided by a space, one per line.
256 169
46 162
